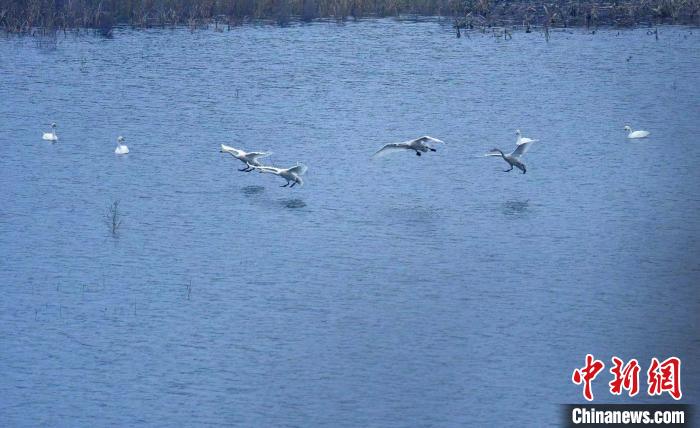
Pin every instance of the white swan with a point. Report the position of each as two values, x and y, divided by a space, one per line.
121 149
292 174
51 136
419 145
523 140
250 159
636 134
513 158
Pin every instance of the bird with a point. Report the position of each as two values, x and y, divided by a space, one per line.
514 158
523 140
292 175
121 149
636 134
51 136
250 159
419 145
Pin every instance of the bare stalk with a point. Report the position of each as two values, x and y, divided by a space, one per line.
114 217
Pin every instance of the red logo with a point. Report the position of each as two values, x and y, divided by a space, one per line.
661 377
665 377
587 374
625 378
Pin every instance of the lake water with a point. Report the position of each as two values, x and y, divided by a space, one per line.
405 291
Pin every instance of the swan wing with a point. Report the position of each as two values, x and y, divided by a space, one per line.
299 170
521 149
391 148
427 139
255 155
231 150
252 157
525 141
639 134
492 153
268 169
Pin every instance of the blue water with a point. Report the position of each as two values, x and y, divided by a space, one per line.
407 291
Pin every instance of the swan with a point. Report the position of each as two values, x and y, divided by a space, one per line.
250 159
292 174
523 140
51 136
419 145
513 158
636 134
121 149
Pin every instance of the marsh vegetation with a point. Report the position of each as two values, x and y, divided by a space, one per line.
114 217
102 15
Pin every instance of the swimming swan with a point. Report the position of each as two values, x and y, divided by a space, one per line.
419 145
292 174
51 136
513 158
636 134
250 159
121 149
523 140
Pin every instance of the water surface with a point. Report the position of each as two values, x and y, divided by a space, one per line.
431 291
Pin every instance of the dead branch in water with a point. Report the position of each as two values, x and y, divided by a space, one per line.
114 217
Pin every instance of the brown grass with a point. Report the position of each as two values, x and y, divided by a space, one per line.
26 15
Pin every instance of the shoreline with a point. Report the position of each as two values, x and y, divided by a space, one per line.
501 30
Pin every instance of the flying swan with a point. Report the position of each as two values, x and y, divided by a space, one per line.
250 159
523 140
419 145
122 148
513 158
292 175
51 136
636 134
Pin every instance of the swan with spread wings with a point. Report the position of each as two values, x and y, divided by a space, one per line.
292 175
514 158
250 159
419 145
